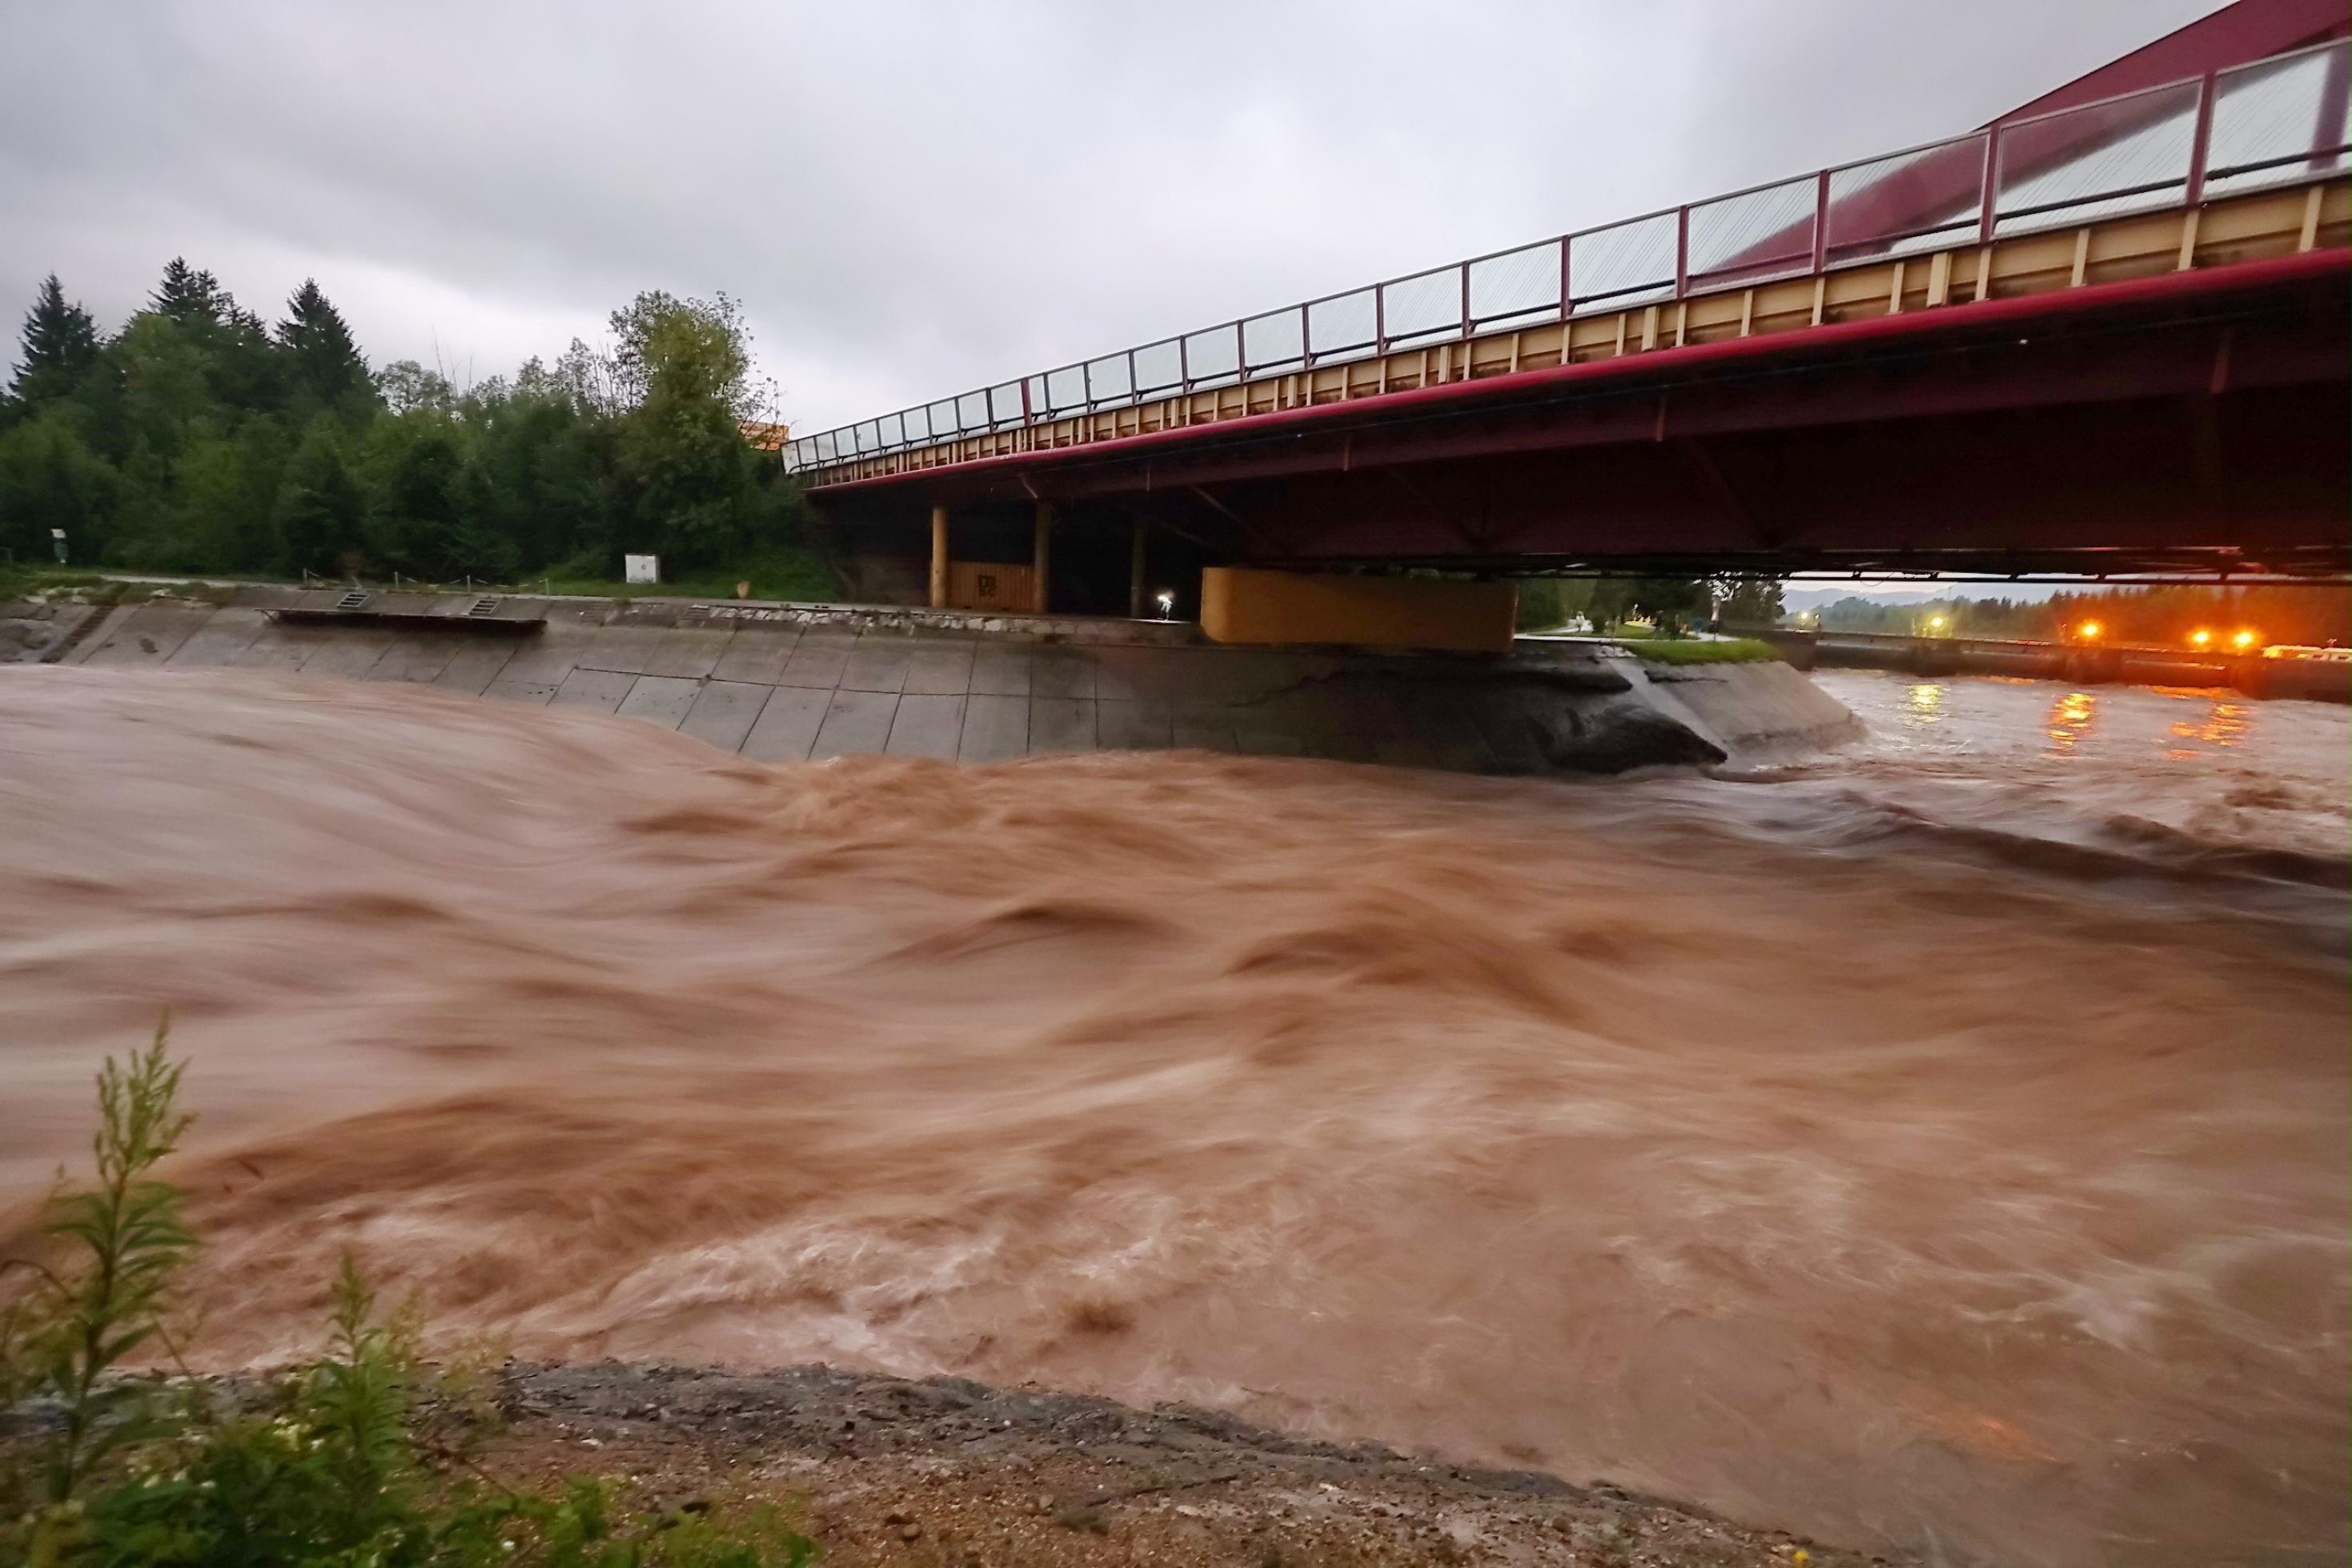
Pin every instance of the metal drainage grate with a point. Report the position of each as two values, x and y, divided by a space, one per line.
356 599
483 607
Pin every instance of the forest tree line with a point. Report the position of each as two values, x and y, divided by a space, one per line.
2165 616
199 438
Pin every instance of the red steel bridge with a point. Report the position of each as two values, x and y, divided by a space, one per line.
2105 333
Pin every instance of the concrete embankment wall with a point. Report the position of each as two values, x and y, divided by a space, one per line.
791 683
1753 710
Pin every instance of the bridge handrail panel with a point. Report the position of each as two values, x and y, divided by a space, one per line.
2141 146
2256 106
1723 233
1515 287
2155 148
1280 337
1876 204
1355 325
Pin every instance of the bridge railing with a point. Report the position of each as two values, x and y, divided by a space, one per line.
2274 121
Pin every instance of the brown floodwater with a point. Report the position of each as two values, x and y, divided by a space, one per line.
1941 1144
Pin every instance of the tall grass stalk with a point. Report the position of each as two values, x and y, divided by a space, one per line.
84 1319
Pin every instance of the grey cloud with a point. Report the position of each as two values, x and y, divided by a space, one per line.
910 199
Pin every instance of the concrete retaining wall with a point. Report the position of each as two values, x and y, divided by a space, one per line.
794 682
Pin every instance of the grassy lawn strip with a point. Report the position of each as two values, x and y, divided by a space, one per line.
785 573
22 583
1681 651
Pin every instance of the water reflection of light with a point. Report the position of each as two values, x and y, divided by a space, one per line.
1927 704
2225 725
2072 717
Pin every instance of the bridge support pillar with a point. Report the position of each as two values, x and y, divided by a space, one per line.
938 558
1242 605
1136 554
1041 562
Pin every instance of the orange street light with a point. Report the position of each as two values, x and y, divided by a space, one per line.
2243 640
2200 638
2089 630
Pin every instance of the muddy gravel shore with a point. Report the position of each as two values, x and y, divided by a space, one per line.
943 1471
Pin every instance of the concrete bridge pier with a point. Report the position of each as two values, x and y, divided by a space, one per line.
1042 561
938 558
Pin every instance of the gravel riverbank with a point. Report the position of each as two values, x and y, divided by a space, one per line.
939 1470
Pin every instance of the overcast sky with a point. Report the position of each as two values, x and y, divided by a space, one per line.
912 200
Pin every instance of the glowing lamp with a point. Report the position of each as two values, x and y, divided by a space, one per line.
2089 630
2243 640
2200 638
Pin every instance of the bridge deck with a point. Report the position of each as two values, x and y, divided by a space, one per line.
2269 225
2240 164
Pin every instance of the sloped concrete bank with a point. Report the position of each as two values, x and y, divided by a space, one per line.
789 683
1752 711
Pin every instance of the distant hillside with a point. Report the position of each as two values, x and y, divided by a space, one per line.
1799 596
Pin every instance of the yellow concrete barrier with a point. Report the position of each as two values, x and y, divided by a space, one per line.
1242 605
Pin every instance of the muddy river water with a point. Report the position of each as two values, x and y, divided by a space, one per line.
1940 1143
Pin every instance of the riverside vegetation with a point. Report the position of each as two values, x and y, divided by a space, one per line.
341 1461
1668 605
198 439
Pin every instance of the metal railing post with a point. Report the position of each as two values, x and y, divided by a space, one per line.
1306 342
1184 364
1988 209
1822 222
1567 300
1465 299
1682 251
2328 126
1380 318
2201 141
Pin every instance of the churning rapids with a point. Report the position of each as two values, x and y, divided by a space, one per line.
1942 1143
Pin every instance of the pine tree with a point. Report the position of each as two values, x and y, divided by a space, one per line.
189 295
61 345
326 365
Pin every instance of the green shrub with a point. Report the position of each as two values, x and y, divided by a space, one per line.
334 1468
